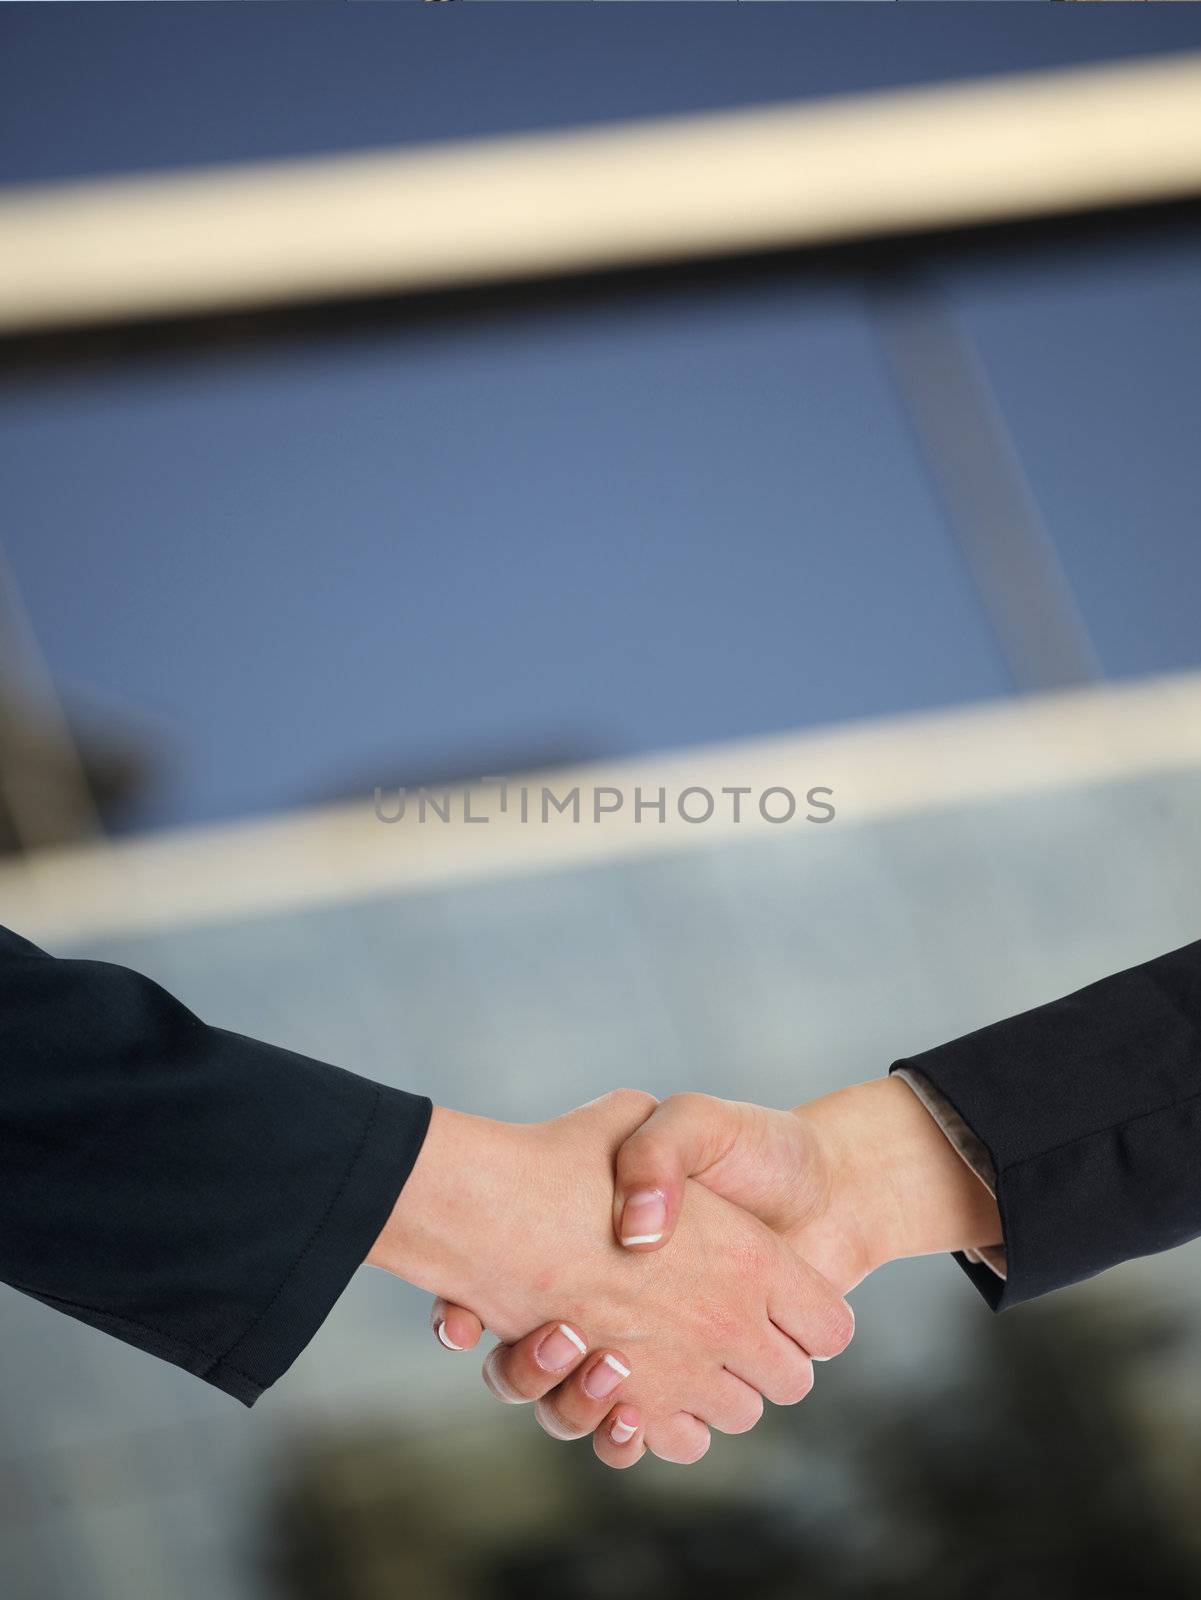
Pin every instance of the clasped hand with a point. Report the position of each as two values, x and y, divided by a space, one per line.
560 1228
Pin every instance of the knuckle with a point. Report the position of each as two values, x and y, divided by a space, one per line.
836 1328
745 1416
646 1157
795 1385
633 1101
680 1440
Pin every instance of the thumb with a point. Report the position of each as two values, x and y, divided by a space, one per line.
684 1135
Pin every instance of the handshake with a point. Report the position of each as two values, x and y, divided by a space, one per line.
679 1262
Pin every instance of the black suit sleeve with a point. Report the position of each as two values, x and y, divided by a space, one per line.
1090 1109
194 1192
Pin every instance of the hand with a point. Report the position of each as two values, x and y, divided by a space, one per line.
850 1181
513 1221
554 1367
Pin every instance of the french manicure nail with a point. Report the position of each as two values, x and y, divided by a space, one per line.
644 1217
444 1338
622 1432
604 1377
561 1345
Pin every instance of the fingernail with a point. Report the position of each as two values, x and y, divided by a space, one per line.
561 1345
644 1217
604 1377
622 1432
443 1338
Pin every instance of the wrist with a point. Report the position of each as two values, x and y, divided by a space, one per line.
902 1187
444 1231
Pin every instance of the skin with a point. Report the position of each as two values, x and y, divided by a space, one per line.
849 1181
515 1222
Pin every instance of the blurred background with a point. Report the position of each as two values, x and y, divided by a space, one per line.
905 503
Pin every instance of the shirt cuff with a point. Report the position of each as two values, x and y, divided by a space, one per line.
969 1148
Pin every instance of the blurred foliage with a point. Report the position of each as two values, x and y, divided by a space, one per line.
1057 1463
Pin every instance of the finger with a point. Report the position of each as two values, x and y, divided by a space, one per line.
579 1406
778 1369
518 1373
806 1307
683 1135
618 1440
681 1438
456 1327
731 1406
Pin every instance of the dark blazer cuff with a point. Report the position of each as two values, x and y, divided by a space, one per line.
391 1140
991 1287
1090 1111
